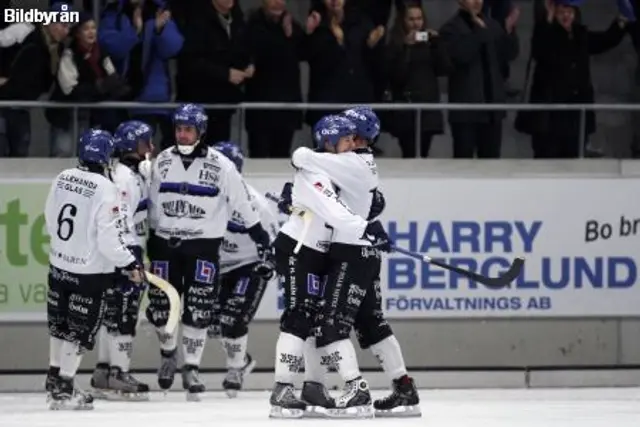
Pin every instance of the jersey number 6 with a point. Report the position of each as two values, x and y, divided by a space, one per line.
65 221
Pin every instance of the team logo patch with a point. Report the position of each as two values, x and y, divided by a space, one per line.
205 272
160 269
316 285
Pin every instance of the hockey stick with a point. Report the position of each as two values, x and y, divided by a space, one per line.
174 300
304 214
503 281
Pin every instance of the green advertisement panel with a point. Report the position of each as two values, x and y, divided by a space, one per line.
24 250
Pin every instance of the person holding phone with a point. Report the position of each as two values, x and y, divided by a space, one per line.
416 58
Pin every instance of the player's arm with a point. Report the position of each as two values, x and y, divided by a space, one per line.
316 193
238 199
154 191
110 241
130 198
50 214
340 168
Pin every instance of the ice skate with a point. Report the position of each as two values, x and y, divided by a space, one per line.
168 368
317 398
284 403
123 386
100 381
50 382
191 383
403 401
64 396
355 402
232 383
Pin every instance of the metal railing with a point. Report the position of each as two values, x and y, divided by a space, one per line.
241 108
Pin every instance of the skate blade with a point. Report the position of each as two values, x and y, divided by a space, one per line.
408 411
194 397
231 393
57 405
280 412
100 393
315 412
123 396
351 412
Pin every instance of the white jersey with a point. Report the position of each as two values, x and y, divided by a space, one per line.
314 192
134 199
196 202
83 218
354 176
238 249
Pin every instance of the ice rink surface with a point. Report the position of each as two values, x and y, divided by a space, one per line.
441 408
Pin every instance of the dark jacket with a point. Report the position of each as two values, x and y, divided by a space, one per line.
340 74
206 57
377 11
413 78
477 54
277 77
151 78
562 75
30 74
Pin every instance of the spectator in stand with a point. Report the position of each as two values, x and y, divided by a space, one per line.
141 39
29 76
340 47
86 74
214 63
477 46
499 10
561 49
378 11
276 44
416 58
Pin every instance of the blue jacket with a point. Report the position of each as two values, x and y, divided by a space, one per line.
117 36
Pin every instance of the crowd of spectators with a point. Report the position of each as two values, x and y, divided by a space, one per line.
224 54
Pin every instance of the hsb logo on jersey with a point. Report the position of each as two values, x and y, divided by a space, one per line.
316 284
205 272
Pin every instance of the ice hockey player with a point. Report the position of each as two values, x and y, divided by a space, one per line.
82 215
194 188
244 277
302 273
111 378
372 329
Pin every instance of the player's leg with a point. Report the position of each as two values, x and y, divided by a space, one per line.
244 291
200 292
166 263
120 339
346 289
100 377
57 302
374 333
84 313
296 321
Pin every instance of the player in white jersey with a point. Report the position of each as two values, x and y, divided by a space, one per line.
303 273
244 277
111 377
194 191
82 214
372 329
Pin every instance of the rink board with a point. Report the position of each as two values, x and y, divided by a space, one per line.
578 237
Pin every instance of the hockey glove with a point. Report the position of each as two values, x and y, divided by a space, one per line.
284 205
261 238
266 268
377 205
376 234
234 227
135 272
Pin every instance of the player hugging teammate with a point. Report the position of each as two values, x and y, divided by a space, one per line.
350 291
